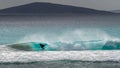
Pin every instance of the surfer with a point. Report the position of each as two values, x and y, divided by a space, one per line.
42 46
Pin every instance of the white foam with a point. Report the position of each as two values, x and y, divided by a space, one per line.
59 55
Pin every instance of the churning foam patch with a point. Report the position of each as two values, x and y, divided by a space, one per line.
59 55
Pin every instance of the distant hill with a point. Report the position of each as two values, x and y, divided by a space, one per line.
49 8
116 11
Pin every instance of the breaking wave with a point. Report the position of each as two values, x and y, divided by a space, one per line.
59 46
84 39
76 40
66 46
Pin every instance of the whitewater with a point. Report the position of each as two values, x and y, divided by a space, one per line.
26 57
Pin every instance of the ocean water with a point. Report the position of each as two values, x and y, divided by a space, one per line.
71 41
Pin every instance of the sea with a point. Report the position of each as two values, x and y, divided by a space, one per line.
72 41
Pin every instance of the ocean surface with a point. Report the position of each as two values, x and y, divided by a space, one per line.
72 41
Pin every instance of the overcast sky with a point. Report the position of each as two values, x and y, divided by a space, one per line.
96 4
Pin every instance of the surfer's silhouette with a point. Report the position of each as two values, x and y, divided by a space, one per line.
42 46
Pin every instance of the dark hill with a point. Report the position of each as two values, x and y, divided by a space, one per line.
49 8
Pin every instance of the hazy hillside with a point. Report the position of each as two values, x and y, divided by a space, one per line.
116 11
50 8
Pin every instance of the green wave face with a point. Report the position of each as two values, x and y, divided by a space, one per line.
37 47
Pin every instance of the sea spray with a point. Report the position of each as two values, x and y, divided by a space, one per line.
79 39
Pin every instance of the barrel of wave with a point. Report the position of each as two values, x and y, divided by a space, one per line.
30 46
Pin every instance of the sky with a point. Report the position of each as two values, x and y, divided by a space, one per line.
95 4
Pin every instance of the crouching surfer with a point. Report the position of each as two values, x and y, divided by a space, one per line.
42 46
